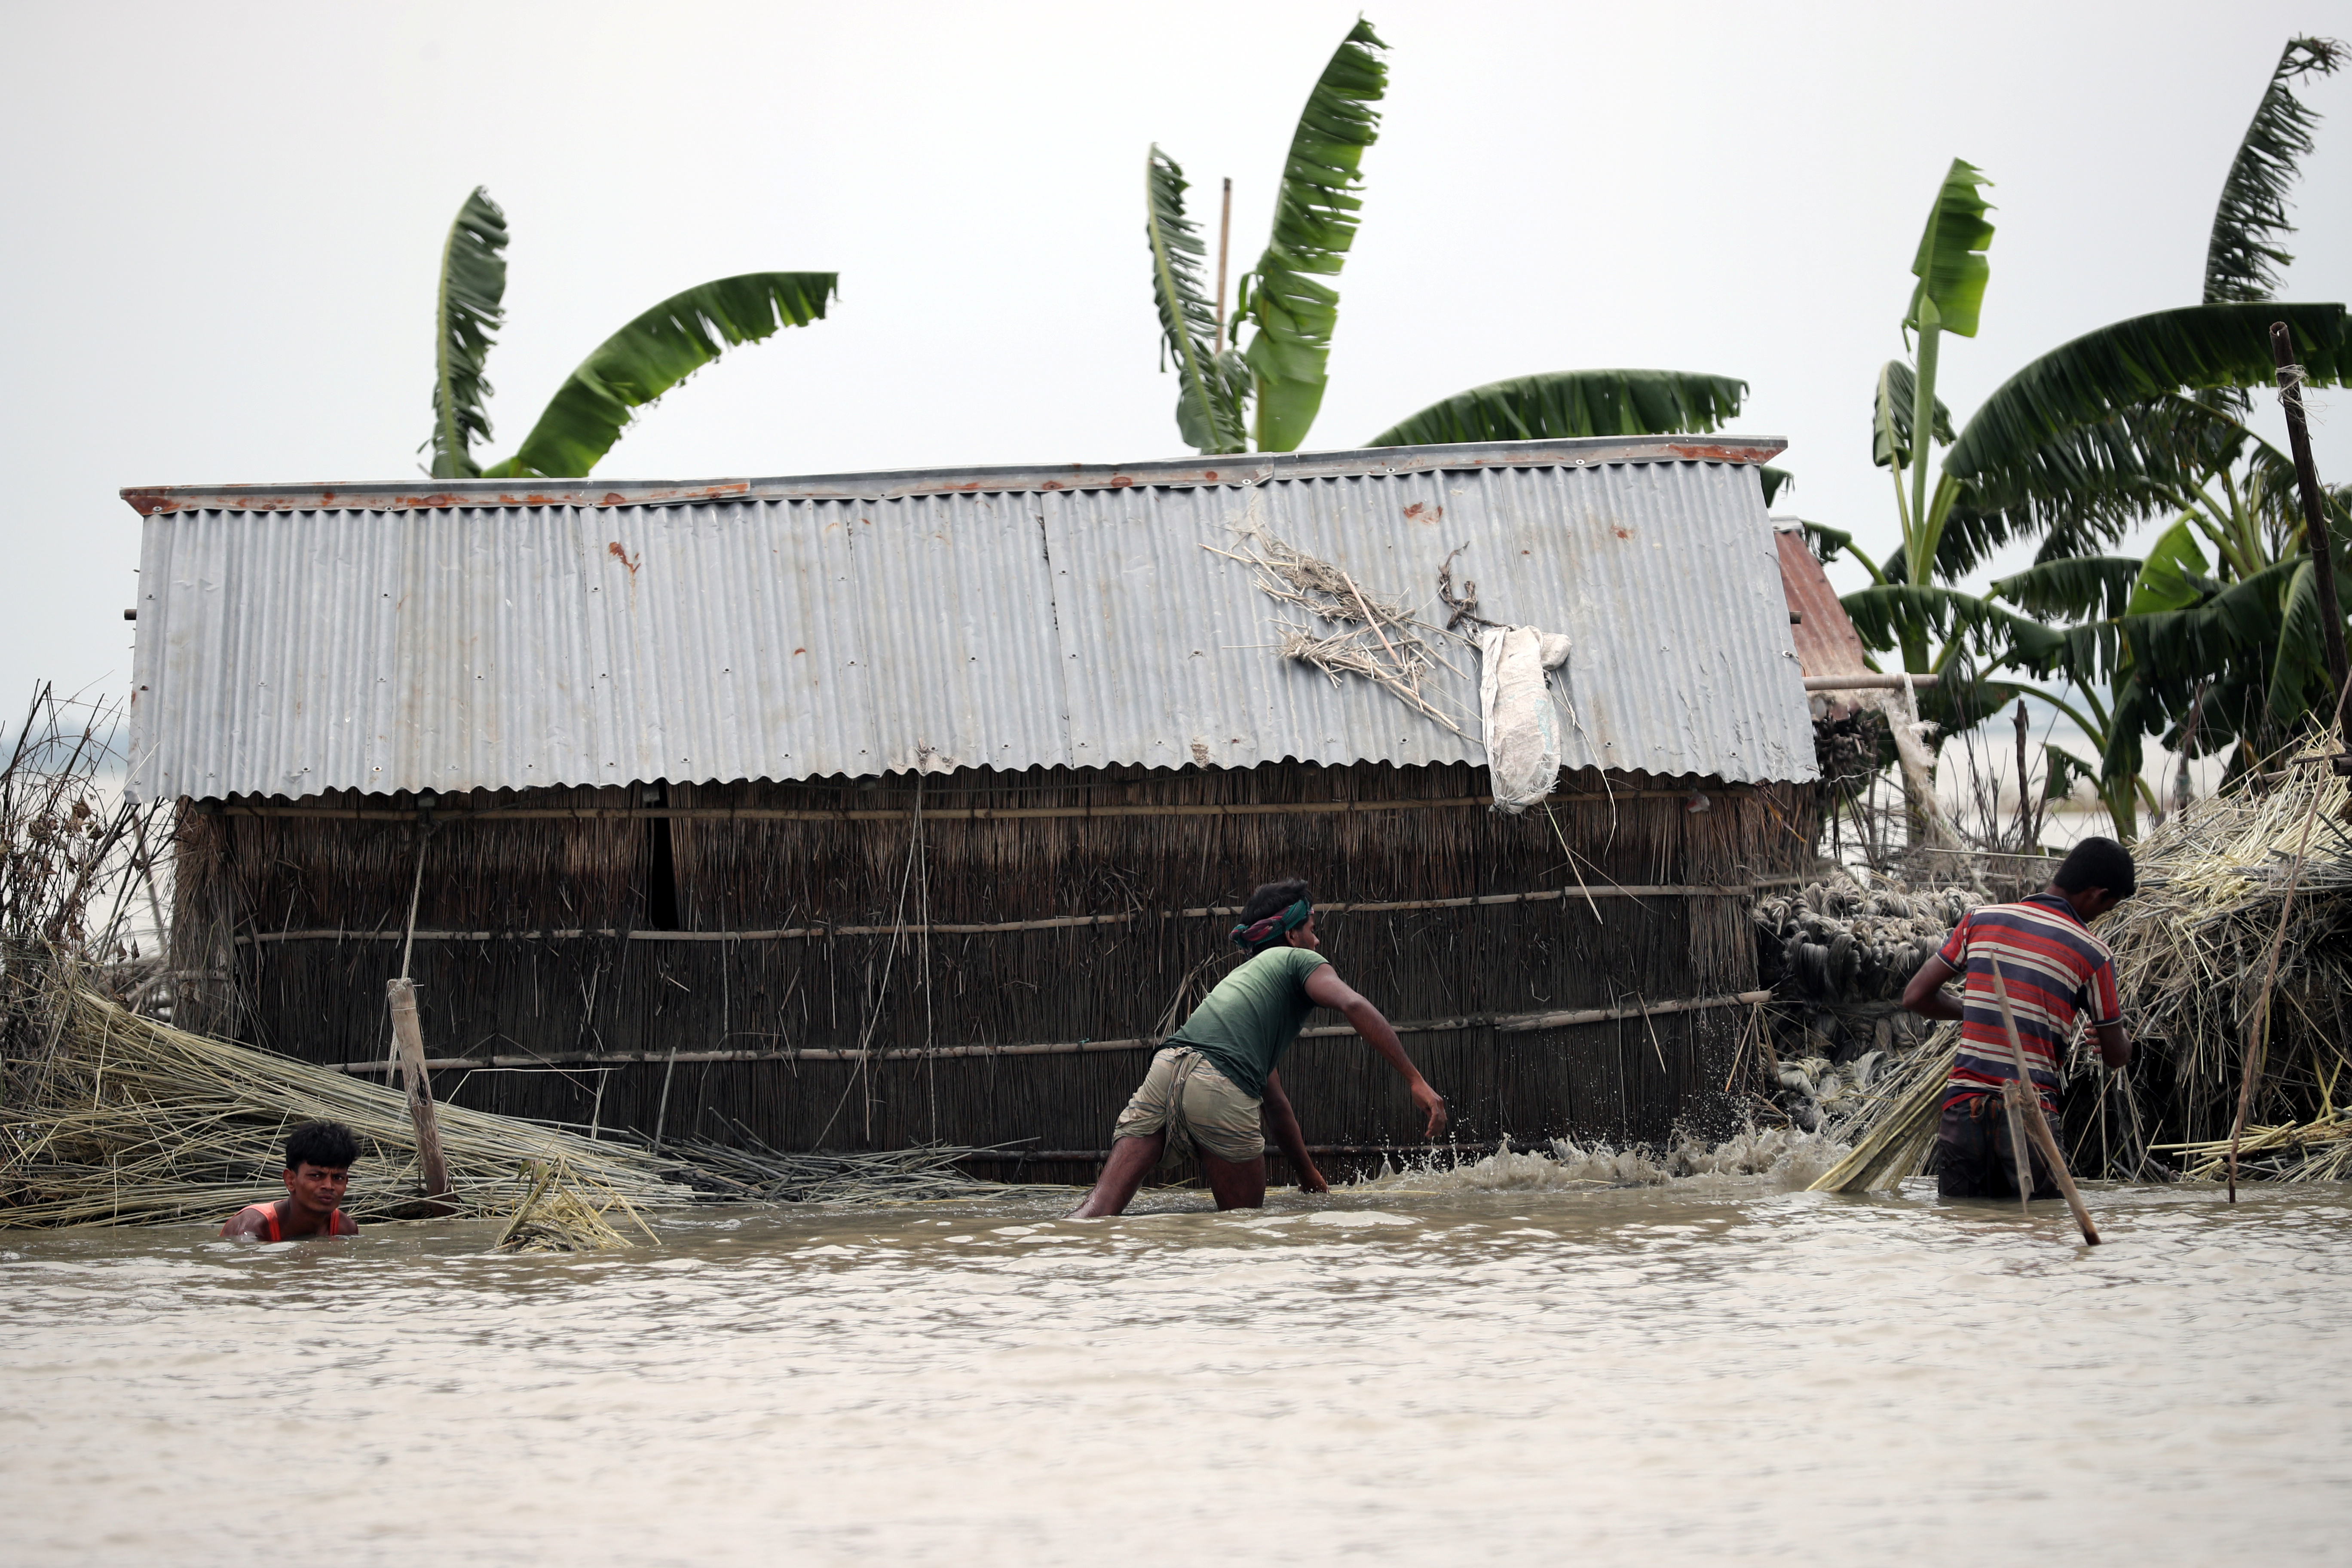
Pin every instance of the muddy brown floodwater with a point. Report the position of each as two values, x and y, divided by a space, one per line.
1713 1370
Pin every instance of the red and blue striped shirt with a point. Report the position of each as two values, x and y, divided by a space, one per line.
2055 969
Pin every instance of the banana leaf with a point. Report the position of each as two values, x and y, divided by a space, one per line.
2243 255
1571 403
466 309
1207 408
1315 220
2012 453
1892 414
1950 264
652 354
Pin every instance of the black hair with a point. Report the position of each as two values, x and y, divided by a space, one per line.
1274 897
2098 863
329 1145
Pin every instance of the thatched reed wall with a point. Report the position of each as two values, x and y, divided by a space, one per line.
574 943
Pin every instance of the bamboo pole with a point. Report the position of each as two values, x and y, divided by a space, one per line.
1224 233
1501 1023
410 1040
408 1046
2023 1098
1058 922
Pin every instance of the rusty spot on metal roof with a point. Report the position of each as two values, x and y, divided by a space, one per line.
1722 454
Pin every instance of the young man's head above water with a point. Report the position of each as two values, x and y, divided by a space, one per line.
319 1160
1214 1083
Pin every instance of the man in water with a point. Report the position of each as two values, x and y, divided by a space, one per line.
2053 969
1215 1081
319 1156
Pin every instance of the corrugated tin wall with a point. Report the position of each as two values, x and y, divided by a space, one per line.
285 653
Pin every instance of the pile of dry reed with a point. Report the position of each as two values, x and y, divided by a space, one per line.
2194 949
126 1121
885 1175
566 1212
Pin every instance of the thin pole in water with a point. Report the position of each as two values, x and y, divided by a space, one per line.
2026 1100
408 1044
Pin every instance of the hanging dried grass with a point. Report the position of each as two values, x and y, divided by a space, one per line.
1387 643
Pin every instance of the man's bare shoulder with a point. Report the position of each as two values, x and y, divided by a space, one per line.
245 1224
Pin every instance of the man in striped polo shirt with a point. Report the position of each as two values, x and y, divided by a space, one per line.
2055 969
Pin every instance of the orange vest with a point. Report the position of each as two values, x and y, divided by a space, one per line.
268 1213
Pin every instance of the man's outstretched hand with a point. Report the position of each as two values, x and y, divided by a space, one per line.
1433 1104
1310 1180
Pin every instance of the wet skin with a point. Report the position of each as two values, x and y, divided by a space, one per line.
313 1195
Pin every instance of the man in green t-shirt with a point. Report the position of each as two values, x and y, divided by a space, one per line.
1215 1080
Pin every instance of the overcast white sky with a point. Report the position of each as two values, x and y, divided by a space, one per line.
228 218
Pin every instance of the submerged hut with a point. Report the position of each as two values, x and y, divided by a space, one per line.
861 811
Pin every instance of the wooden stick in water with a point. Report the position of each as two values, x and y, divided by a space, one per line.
2029 1099
401 995
2010 1097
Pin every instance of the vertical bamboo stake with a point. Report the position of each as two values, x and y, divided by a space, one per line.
2028 1099
402 996
408 1046
2011 1098
2025 823
1224 230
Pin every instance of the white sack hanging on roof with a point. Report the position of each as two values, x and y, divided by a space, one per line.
1522 727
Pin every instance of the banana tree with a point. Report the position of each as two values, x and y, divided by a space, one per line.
628 371
1292 309
2136 421
2217 635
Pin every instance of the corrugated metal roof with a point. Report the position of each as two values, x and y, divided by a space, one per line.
764 635
1825 640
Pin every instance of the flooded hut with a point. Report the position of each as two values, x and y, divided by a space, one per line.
868 810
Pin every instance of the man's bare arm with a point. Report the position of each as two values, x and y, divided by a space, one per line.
2114 1050
245 1225
1324 987
1289 1139
1925 994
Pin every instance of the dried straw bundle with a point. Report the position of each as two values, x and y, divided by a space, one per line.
131 1122
561 1214
1894 1128
2191 951
1387 643
884 1175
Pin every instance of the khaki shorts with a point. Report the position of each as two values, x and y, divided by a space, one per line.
1184 1097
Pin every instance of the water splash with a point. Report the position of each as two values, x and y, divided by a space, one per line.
1785 1157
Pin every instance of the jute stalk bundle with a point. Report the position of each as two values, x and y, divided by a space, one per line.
131 1122
2235 962
561 1214
1897 1128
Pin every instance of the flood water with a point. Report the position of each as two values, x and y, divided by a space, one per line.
1715 1371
